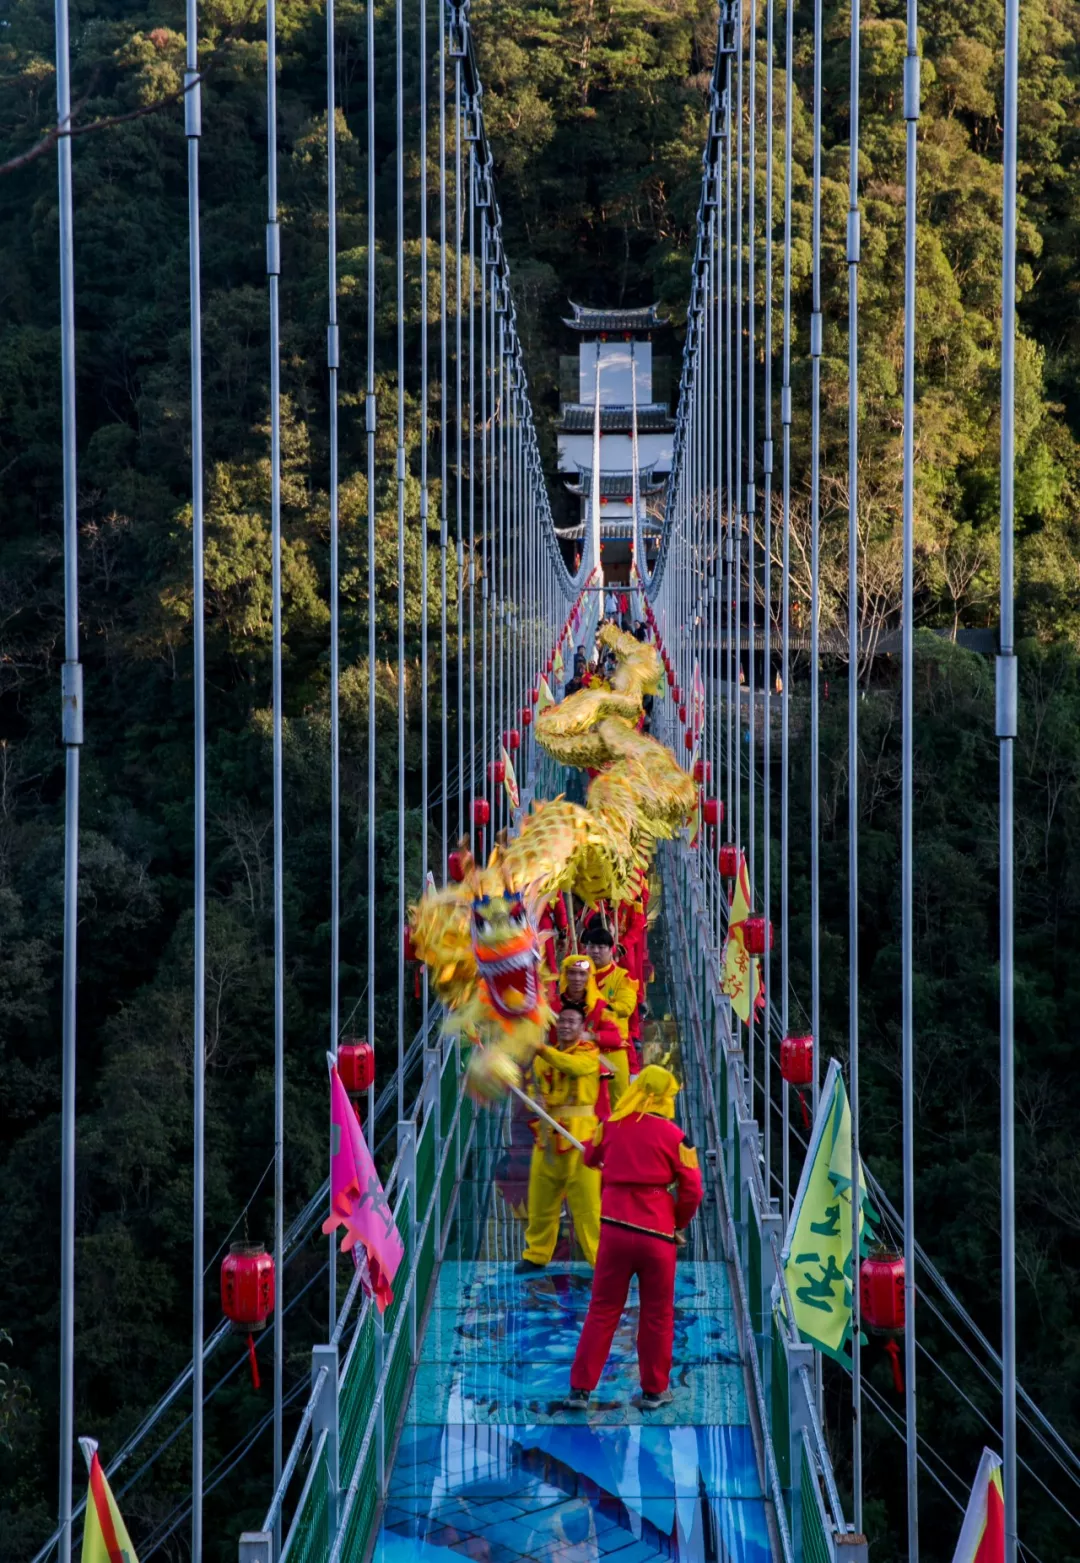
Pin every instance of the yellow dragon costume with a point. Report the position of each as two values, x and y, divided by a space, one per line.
479 937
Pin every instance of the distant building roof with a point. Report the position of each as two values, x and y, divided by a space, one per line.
653 418
644 319
650 530
616 485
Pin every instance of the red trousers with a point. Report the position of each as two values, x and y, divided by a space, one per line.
622 1255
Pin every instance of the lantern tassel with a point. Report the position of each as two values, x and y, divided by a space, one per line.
256 1382
897 1372
805 1114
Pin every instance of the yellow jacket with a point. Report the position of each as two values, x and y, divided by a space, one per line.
567 1084
619 992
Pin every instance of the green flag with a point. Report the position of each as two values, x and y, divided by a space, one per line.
817 1250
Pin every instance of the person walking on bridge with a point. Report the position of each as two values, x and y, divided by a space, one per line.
619 992
566 1083
641 1153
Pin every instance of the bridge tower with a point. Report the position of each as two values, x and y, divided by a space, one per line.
623 341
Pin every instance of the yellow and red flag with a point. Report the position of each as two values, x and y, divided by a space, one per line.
105 1537
510 781
558 664
545 698
742 973
982 1539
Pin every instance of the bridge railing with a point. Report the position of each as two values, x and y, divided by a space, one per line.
360 1378
799 1476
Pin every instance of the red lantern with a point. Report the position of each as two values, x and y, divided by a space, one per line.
881 1304
757 935
676 695
702 771
797 1060
881 1293
688 740
712 811
497 773
727 860
408 948
512 739
356 1066
526 717
550 663
534 696
481 812
247 1294
455 866
682 710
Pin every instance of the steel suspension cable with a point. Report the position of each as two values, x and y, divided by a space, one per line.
273 267
72 735
332 363
738 495
731 586
193 131
458 476
1006 725
472 486
444 403
767 470
911 120
816 324
853 255
370 415
785 630
424 498
751 505
399 106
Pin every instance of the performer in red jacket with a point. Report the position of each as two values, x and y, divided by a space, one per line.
641 1152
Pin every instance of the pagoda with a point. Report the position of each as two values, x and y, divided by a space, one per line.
621 340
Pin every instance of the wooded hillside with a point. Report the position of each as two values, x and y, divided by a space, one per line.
597 120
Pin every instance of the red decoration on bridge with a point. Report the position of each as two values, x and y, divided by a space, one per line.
757 935
356 1066
247 1294
497 773
881 1304
703 771
727 860
481 812
512 739
712 811
797 1060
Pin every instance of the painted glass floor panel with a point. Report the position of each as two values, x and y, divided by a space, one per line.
491 1468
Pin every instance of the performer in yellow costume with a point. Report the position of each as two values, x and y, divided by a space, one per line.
566 1082
619 992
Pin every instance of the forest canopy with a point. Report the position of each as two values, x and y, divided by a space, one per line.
596 116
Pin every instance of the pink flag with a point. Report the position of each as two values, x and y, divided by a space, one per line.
357 1200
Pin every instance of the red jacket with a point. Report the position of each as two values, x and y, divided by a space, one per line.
639 1158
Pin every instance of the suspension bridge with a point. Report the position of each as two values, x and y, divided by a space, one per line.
437 1428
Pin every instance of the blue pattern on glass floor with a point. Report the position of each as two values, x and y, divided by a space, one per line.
491 1468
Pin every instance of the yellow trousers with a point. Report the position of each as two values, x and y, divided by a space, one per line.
554 1177
620 1063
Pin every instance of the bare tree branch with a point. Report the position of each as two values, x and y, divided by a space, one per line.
57 132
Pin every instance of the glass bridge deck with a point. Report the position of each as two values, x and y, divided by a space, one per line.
491 1468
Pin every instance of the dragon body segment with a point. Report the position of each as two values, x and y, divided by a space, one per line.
479 938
